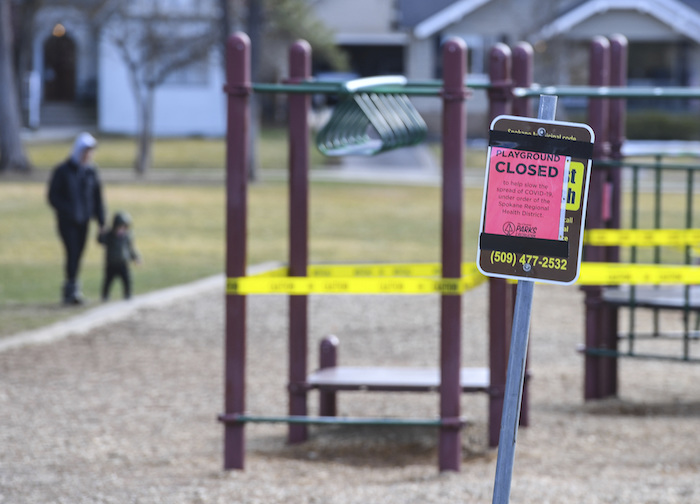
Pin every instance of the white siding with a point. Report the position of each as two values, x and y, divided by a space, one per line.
357 16
188 109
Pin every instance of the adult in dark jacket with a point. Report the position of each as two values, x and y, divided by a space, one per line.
75 193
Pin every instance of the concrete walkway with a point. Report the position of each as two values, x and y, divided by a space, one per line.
116 311
410 166
109 313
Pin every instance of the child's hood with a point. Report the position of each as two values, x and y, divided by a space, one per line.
121 219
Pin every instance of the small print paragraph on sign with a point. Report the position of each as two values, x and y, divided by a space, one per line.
525 193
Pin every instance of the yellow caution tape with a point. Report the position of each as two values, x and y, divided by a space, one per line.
424 278
383 270
641 237
637 274
358 279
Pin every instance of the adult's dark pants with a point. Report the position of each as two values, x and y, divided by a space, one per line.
73 236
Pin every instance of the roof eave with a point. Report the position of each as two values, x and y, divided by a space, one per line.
446 17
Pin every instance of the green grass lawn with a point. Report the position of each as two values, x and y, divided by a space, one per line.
179 230
196 153
170 153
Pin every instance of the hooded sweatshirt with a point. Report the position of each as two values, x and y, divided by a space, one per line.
82 142
75 191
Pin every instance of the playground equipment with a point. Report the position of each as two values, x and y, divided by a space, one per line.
608 285
509 89
450 378
608 63
638 286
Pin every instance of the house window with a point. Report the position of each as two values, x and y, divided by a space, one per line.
477 57
658 64
177 7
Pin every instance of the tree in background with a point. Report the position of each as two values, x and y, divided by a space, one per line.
154 43
156 39
15 63
271 26
12 155
293 19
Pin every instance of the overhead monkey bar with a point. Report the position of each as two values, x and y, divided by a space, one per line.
366 123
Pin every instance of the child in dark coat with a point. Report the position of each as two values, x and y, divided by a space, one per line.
119 251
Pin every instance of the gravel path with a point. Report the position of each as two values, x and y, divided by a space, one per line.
127 413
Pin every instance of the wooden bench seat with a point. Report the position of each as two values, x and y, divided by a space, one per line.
671 297
394 379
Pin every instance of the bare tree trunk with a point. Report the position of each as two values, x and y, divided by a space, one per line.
226 27
144 153
12 156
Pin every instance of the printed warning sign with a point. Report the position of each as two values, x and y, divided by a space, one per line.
574 188
535 194
525 194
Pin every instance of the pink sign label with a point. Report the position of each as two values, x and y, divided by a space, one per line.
524 194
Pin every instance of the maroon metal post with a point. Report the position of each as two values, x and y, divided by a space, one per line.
616 136
523 76
616 129
299 70
600 372
598 118
454 127
501 295
501 84
328 358
238 89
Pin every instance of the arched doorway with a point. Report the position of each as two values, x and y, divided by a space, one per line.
59 67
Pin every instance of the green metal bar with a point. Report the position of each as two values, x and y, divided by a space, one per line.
304 87
686 335
633 258
694 336
434 88
648 166
338 88
609 92
603 352
688 259
657 225
420 422
690 191
657 204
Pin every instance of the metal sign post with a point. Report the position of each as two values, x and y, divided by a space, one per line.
517 250
514 391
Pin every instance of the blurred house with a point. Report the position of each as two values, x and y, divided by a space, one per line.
78 77
74 63
663 35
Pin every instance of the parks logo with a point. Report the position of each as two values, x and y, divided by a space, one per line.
511 229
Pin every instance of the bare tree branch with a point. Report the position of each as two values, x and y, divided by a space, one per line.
154 44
